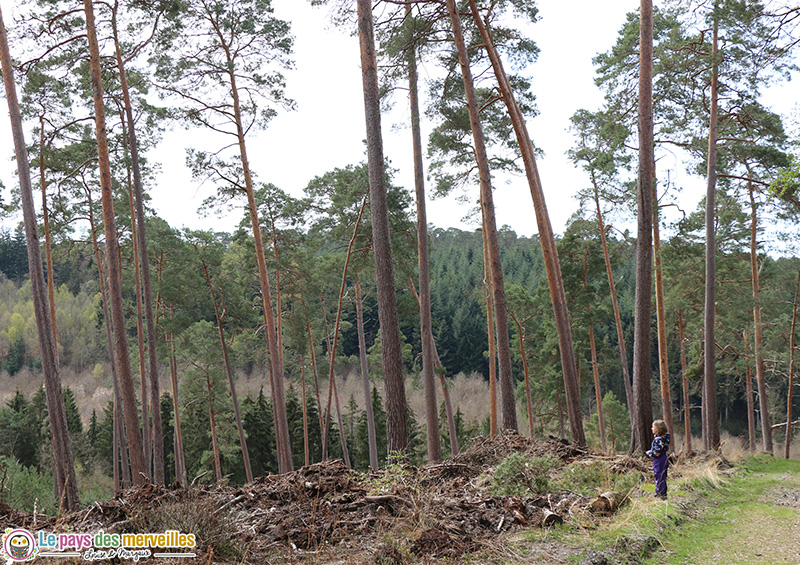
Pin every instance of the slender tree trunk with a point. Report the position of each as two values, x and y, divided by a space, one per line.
140 337
231 385
597 393
180 464
505 377
314 370
711 440
789 396
332 349
306 451
521 332
115 443
396 409
66 488
623 354
278 293
687 408
362 353
642 408
758 329
120 453
451 424
134 438
490 333
661 321
425 320
282 439
546 237
147 297
48 244
213 423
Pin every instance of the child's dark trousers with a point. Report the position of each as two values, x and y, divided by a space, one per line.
660 466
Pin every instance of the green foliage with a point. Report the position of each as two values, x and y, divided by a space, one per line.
617 424
26 488
523 475
595 477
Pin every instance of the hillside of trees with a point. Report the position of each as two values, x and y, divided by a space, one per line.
587 335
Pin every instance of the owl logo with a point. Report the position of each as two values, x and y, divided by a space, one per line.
19 545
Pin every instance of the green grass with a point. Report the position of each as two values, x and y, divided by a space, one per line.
738 524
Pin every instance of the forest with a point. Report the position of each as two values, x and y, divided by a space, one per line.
134 351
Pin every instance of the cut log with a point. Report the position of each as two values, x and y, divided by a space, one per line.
551 518
607 502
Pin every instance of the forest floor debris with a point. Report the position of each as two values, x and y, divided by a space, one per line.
326 511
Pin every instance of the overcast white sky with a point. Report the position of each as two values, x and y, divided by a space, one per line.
327 130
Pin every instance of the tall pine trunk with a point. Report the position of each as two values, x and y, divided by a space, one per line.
425 320
396 408
505 376
132 431
66 487
711 438
546 237
642 408
147 293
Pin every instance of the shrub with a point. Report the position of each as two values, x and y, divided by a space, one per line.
523 475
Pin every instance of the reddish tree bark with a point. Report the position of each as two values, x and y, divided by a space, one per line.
396 409
66 487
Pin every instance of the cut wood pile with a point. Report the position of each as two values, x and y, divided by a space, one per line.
440 511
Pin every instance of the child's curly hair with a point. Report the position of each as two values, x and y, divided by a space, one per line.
660 426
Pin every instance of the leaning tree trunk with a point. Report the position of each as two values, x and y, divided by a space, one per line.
711 437
396 409
333 348
758 329
362 355
546 236
282 439
134 437
642 407
425 320
661 321
505 377
623 353
66 487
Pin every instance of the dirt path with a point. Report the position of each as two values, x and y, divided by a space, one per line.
754 520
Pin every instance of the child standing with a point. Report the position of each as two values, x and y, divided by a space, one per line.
658 451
